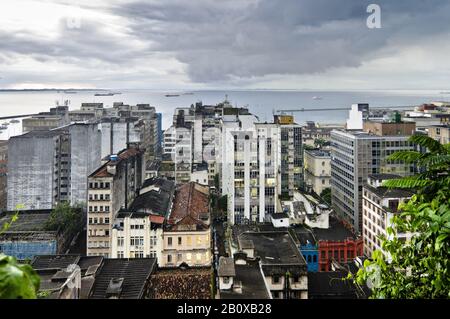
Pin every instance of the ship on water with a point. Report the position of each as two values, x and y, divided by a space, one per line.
172 95
104 94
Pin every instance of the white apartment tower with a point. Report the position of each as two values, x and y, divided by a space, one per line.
250 157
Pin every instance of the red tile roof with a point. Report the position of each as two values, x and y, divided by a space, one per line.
157 219
124 154
191 203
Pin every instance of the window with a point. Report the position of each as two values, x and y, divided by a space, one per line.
120 241
120 254
189 241
139 254
179 257
169 259
199 257
275 279
188 257
169 241
180 241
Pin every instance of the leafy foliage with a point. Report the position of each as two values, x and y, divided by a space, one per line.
320 142
434 165
6 225
17 281
63 216
418 267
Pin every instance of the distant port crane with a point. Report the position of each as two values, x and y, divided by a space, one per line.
302 109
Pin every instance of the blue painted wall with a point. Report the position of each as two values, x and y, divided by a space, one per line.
311 254
24 250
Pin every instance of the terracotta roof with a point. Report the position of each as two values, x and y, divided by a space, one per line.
124 154
157 219
190 207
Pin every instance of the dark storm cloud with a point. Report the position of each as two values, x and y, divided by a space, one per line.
72 45
231 41
220 40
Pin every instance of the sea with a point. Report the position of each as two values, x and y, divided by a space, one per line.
263 103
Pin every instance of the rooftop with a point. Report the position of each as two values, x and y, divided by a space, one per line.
277 251
156 195
102 171
134 272
329 285
385 192
54 261
251 282
226 267
177 283
27 221
190 208
319 153
304 235
380 177
336 232
54 269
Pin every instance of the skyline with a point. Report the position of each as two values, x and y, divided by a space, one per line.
205 45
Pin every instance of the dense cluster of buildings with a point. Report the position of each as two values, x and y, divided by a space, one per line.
152 226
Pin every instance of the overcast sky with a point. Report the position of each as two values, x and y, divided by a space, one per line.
196 44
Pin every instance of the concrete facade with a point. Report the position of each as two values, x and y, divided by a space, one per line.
355 155
48 167
3 174
317 170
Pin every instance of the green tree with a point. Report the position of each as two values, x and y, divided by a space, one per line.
63 216
420 266
320 143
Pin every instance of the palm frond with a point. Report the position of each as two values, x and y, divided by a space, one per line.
407 182
405 156
435 161
431 144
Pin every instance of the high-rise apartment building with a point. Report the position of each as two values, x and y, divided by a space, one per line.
49 167
250 159
113 186
355 154
291 154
